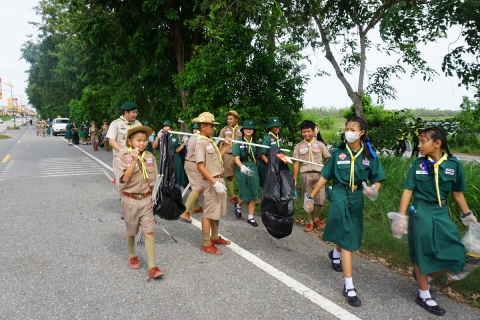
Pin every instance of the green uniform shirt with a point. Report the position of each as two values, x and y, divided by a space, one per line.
240 149
271 141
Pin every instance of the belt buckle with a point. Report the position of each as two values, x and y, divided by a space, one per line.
140 196
443 202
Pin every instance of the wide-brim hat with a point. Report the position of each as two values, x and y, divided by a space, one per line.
147 130
248 124
128 106
274 122
232 113
205 117
168 123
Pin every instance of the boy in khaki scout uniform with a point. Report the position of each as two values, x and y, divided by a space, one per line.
312 150
232 130
43 127
38 126
136 174
210 165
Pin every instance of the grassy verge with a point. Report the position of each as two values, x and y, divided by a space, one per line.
2 137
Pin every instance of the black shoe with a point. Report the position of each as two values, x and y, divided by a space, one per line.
354 300
336 266
436 310
252 222
238 213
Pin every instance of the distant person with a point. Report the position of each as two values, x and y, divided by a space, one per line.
104 131
401 136
318 135
31 121
418 127
93 132
69 133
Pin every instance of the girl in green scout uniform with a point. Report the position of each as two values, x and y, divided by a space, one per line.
272 139
349 166
69 133
49 127
246 158
433 239
83 132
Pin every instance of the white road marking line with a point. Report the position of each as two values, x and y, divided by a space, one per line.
69 174
98 160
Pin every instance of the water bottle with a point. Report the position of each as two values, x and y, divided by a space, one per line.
295 194
413 211
250 173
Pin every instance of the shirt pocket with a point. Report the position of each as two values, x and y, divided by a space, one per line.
122 132
446 182
425 181
211 152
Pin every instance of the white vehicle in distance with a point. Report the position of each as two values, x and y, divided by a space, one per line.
59 125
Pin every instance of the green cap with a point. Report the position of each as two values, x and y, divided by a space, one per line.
248 124
146 123
128 106
195 126
168 123
274 122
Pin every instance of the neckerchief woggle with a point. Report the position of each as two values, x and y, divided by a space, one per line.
200 137
430 161
142 165
352 165
129 124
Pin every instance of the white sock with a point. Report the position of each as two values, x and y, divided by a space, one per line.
425 294
349 285
250 216
336 256
239 207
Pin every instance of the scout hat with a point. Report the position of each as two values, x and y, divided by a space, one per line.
232 113
274 122
128 106
168 123
146 123
205 117
195 126
147 130
248 124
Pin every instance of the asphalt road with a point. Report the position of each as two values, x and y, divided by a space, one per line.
64 255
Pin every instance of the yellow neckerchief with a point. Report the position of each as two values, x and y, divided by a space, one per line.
200 137
233 129
250 148
142 165
129 124
435 167
310 154
276 137
352 165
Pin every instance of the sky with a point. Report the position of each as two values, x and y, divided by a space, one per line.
412 93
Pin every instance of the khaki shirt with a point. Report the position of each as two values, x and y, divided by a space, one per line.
118 130
227 131
104 128
207 153
319 152
136 184
192 144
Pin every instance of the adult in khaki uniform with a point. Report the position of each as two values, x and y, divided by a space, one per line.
272 139
194 177
433 239
43 128
232 130
136 174
210 164
312 150
352 164
38 126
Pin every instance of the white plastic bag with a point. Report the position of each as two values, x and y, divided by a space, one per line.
471 239
307 203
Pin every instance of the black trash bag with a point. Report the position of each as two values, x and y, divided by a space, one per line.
101 140
277 197
169 204
75 139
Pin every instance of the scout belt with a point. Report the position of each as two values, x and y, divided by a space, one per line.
138 196
443 202
343 186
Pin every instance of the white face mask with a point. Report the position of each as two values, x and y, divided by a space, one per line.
351 136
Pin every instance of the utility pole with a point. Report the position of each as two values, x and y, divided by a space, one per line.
11 95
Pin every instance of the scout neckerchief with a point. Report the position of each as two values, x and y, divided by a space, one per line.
310 154
142 165
200 137
352 165
233 130
276 137
129 124
250 149
435 167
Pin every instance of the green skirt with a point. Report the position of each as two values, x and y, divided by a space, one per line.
68 134
344 225
248 185
433 239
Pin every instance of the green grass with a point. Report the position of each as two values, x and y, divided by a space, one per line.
2 137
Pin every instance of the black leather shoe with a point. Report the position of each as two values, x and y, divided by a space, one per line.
336 266
436 310
252 222
354 300
238 213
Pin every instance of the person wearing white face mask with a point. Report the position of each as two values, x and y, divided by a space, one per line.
350 166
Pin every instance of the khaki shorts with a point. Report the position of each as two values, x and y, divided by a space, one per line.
94 139
195 178
228 165
215 204
308 182
138 213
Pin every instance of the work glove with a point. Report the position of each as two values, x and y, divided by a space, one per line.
399 224
220 188
468 219
307 203
370 192
244 169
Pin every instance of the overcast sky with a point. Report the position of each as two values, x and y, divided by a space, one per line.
443 93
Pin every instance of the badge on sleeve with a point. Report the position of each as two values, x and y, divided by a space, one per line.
129 159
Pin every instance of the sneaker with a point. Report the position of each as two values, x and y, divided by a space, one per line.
211 249
308 228
220 241
238 211
133 263
252 222
319 224
154 273
200 209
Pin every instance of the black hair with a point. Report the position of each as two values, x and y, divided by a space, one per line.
307 124
437 133
363 126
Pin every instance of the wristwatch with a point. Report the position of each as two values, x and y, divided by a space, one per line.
309 196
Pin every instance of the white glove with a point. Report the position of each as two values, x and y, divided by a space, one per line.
185 140
243 169
220 188
370 192
399 224
307 203
469 219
